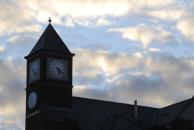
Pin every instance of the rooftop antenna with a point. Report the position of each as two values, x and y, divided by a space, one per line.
135 109
49 20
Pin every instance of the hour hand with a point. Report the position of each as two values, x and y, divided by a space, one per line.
59 71
34 72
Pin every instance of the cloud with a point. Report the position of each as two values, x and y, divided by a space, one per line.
68 12
2 49
19 39
12 84
173 69
185 26
148 4
144 34
140 86
80 12
89 12
154 50
30 13
90 8
82 8
71 22
127 77
170 11
102 21
150 80
29 28
147 76
14 16
103 62
167 14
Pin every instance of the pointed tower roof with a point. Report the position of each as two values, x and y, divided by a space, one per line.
50 41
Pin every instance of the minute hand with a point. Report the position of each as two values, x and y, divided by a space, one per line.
59 71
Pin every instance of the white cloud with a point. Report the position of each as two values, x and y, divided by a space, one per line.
103 75
14 39
18 39
138 54
154 49
69 22
89 12
2 49
102 21
144 34
150 80
28 28
25 38
83 8
78 12
12 100
147 3
104 62
186 27
99 74
13 15
90 8
168 14
81 12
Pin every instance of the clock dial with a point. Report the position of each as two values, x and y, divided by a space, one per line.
34 70
57 69
32 100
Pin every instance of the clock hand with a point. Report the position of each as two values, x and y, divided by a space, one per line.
59 71
34 72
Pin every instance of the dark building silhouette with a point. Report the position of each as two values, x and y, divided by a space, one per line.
51 106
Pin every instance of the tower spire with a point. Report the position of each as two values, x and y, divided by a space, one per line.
49 20
50 41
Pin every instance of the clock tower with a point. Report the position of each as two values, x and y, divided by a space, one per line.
49 84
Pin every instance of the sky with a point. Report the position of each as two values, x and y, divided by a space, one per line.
125 50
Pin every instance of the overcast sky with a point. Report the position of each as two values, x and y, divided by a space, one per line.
125 50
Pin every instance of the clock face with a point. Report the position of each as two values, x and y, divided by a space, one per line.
32 100
34 70
57 69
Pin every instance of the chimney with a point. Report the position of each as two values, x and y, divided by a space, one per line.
135 109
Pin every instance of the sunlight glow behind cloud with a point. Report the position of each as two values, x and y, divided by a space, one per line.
186 27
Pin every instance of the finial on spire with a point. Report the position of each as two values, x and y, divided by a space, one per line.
49 20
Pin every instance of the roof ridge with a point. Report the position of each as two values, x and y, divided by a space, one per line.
184 108
108 101
176 103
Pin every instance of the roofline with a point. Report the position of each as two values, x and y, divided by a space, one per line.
108 101
184 108
177 103
178 115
